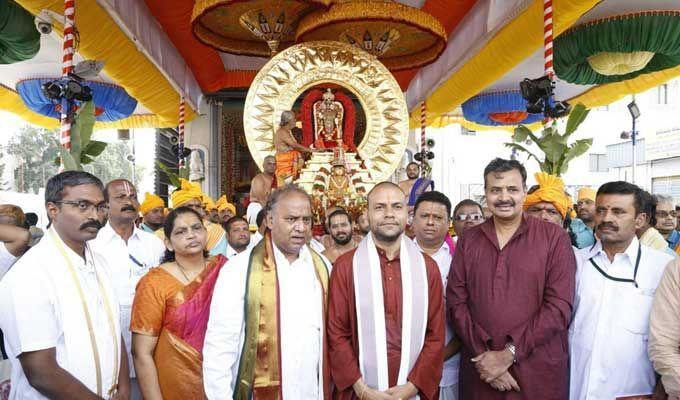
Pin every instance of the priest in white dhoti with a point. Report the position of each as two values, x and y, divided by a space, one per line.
58 308
616 280
130 252
266 336
386 311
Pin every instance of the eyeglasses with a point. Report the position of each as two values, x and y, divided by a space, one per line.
86 206
666 214
472 217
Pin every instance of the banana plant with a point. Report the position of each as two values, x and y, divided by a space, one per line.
174 177
557 152
83 148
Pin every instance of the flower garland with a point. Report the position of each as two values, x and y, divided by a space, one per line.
307 110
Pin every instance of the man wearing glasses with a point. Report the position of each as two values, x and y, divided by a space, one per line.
466 214
666 223
131 252
58 308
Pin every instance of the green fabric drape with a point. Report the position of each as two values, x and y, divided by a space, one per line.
657 32
19 39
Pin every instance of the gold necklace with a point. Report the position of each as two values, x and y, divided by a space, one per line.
184 273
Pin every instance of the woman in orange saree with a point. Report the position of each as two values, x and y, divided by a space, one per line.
170 312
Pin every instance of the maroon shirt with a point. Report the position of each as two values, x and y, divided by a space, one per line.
521 294
343 339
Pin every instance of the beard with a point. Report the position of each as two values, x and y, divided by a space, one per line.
387 237
342 240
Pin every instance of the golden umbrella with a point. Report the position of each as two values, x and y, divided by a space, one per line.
250 27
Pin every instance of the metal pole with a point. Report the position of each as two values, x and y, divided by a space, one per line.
632 136
134 159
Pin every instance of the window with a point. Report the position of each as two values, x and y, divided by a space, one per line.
598 163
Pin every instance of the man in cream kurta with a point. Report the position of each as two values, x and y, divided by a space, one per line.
130 253
615 286
301 311
46 299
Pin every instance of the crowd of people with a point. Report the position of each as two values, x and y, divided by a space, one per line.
530 295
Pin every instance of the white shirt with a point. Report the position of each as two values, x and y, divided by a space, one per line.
301 327
38 306
255 238
610 328
128 264
317 246
451 366
7 259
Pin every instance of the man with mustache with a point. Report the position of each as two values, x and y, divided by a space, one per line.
666 222
266 337
385 314
547 200
615 284
340 227
466 214
431 227
583 226
131 252
152 213
647 234
58 308
238 236
412 173
509 295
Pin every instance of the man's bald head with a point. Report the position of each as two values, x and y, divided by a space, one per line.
384 186
387 212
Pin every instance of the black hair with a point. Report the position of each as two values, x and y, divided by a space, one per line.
621 187
54 190
108 185
169 255
413 163
260 217
339 211
231 221
467 202
501 165
434 197
31 219
649 207
286 190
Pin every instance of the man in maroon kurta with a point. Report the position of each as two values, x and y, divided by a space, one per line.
387 213
510 293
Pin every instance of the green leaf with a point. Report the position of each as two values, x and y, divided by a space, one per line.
85 119
95 148
521 134
85 159
172 176
576 117
523 150
577 149
553 147
68 161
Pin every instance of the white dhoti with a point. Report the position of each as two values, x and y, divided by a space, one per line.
252 211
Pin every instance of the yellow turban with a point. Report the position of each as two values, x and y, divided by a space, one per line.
186 192
551 190
208 203
151 201
222 204
586 193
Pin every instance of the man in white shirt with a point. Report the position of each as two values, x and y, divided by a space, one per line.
58 309
282 285
261 227
431 225
616 279
238 236
130 253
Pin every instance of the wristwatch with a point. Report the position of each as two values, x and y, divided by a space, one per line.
512 349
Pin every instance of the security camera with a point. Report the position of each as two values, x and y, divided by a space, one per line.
43 21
